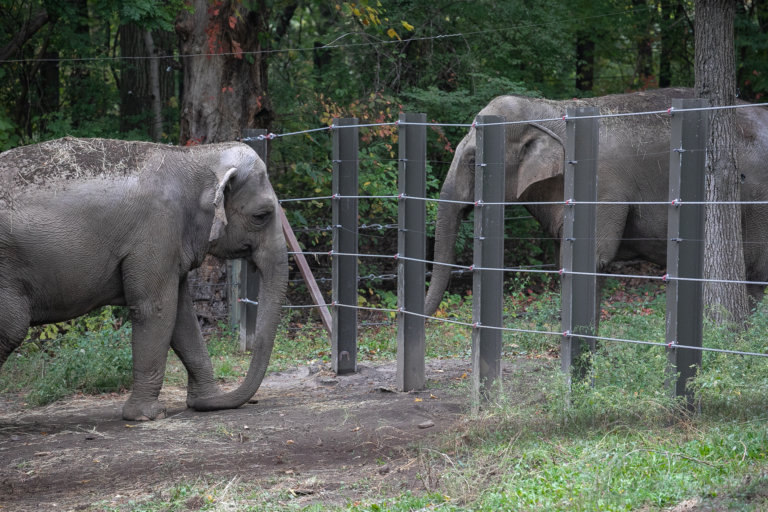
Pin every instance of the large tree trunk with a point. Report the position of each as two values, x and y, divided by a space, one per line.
716 81
224 91
225 75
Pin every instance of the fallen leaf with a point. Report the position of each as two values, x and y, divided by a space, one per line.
418 399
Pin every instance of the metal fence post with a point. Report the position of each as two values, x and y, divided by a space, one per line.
488 278
411 245
248 278
344 267
579 240
685 244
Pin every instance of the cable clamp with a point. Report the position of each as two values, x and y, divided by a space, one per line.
665 278
566 334
670 110
479 202
672 344
397 255
561 271
569 202
676 202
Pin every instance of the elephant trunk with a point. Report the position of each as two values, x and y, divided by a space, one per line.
272 286
449 216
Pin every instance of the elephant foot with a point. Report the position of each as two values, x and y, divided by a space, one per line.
198 391
135 410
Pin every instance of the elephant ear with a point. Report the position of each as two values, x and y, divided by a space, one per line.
542 157
219 213
232 159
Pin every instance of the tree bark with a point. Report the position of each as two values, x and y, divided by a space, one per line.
139 98
156 126
225 75
644 45
585 61
716 81
28 29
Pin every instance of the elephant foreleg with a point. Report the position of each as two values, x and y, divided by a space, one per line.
187 341
152 320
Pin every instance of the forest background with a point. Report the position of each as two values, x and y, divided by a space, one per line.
202 71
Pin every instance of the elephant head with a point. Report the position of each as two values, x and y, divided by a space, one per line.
247 225
534 169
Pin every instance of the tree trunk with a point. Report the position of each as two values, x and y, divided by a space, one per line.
139 99
585 61
225 75
716 81
644 45
156 126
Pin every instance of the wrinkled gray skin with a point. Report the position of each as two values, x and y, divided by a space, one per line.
633 166
91 222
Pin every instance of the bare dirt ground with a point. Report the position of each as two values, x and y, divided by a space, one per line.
312 434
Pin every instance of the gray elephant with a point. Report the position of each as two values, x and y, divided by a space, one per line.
633 167
90 222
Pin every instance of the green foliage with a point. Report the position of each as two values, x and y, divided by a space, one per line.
86 362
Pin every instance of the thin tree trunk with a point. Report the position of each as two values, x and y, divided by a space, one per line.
716 81
156 126
585 61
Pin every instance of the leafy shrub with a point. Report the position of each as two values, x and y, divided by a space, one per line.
78 360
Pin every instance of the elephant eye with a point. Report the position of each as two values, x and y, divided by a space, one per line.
260 217
471 164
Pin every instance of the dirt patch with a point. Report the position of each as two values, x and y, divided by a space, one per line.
313 433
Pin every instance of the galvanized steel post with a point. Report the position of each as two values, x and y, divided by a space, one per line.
411 245
344 267
488 278
685 244
579 240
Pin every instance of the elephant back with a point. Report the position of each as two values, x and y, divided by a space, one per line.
48 165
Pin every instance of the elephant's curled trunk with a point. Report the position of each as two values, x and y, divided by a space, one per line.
272 286
449 216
